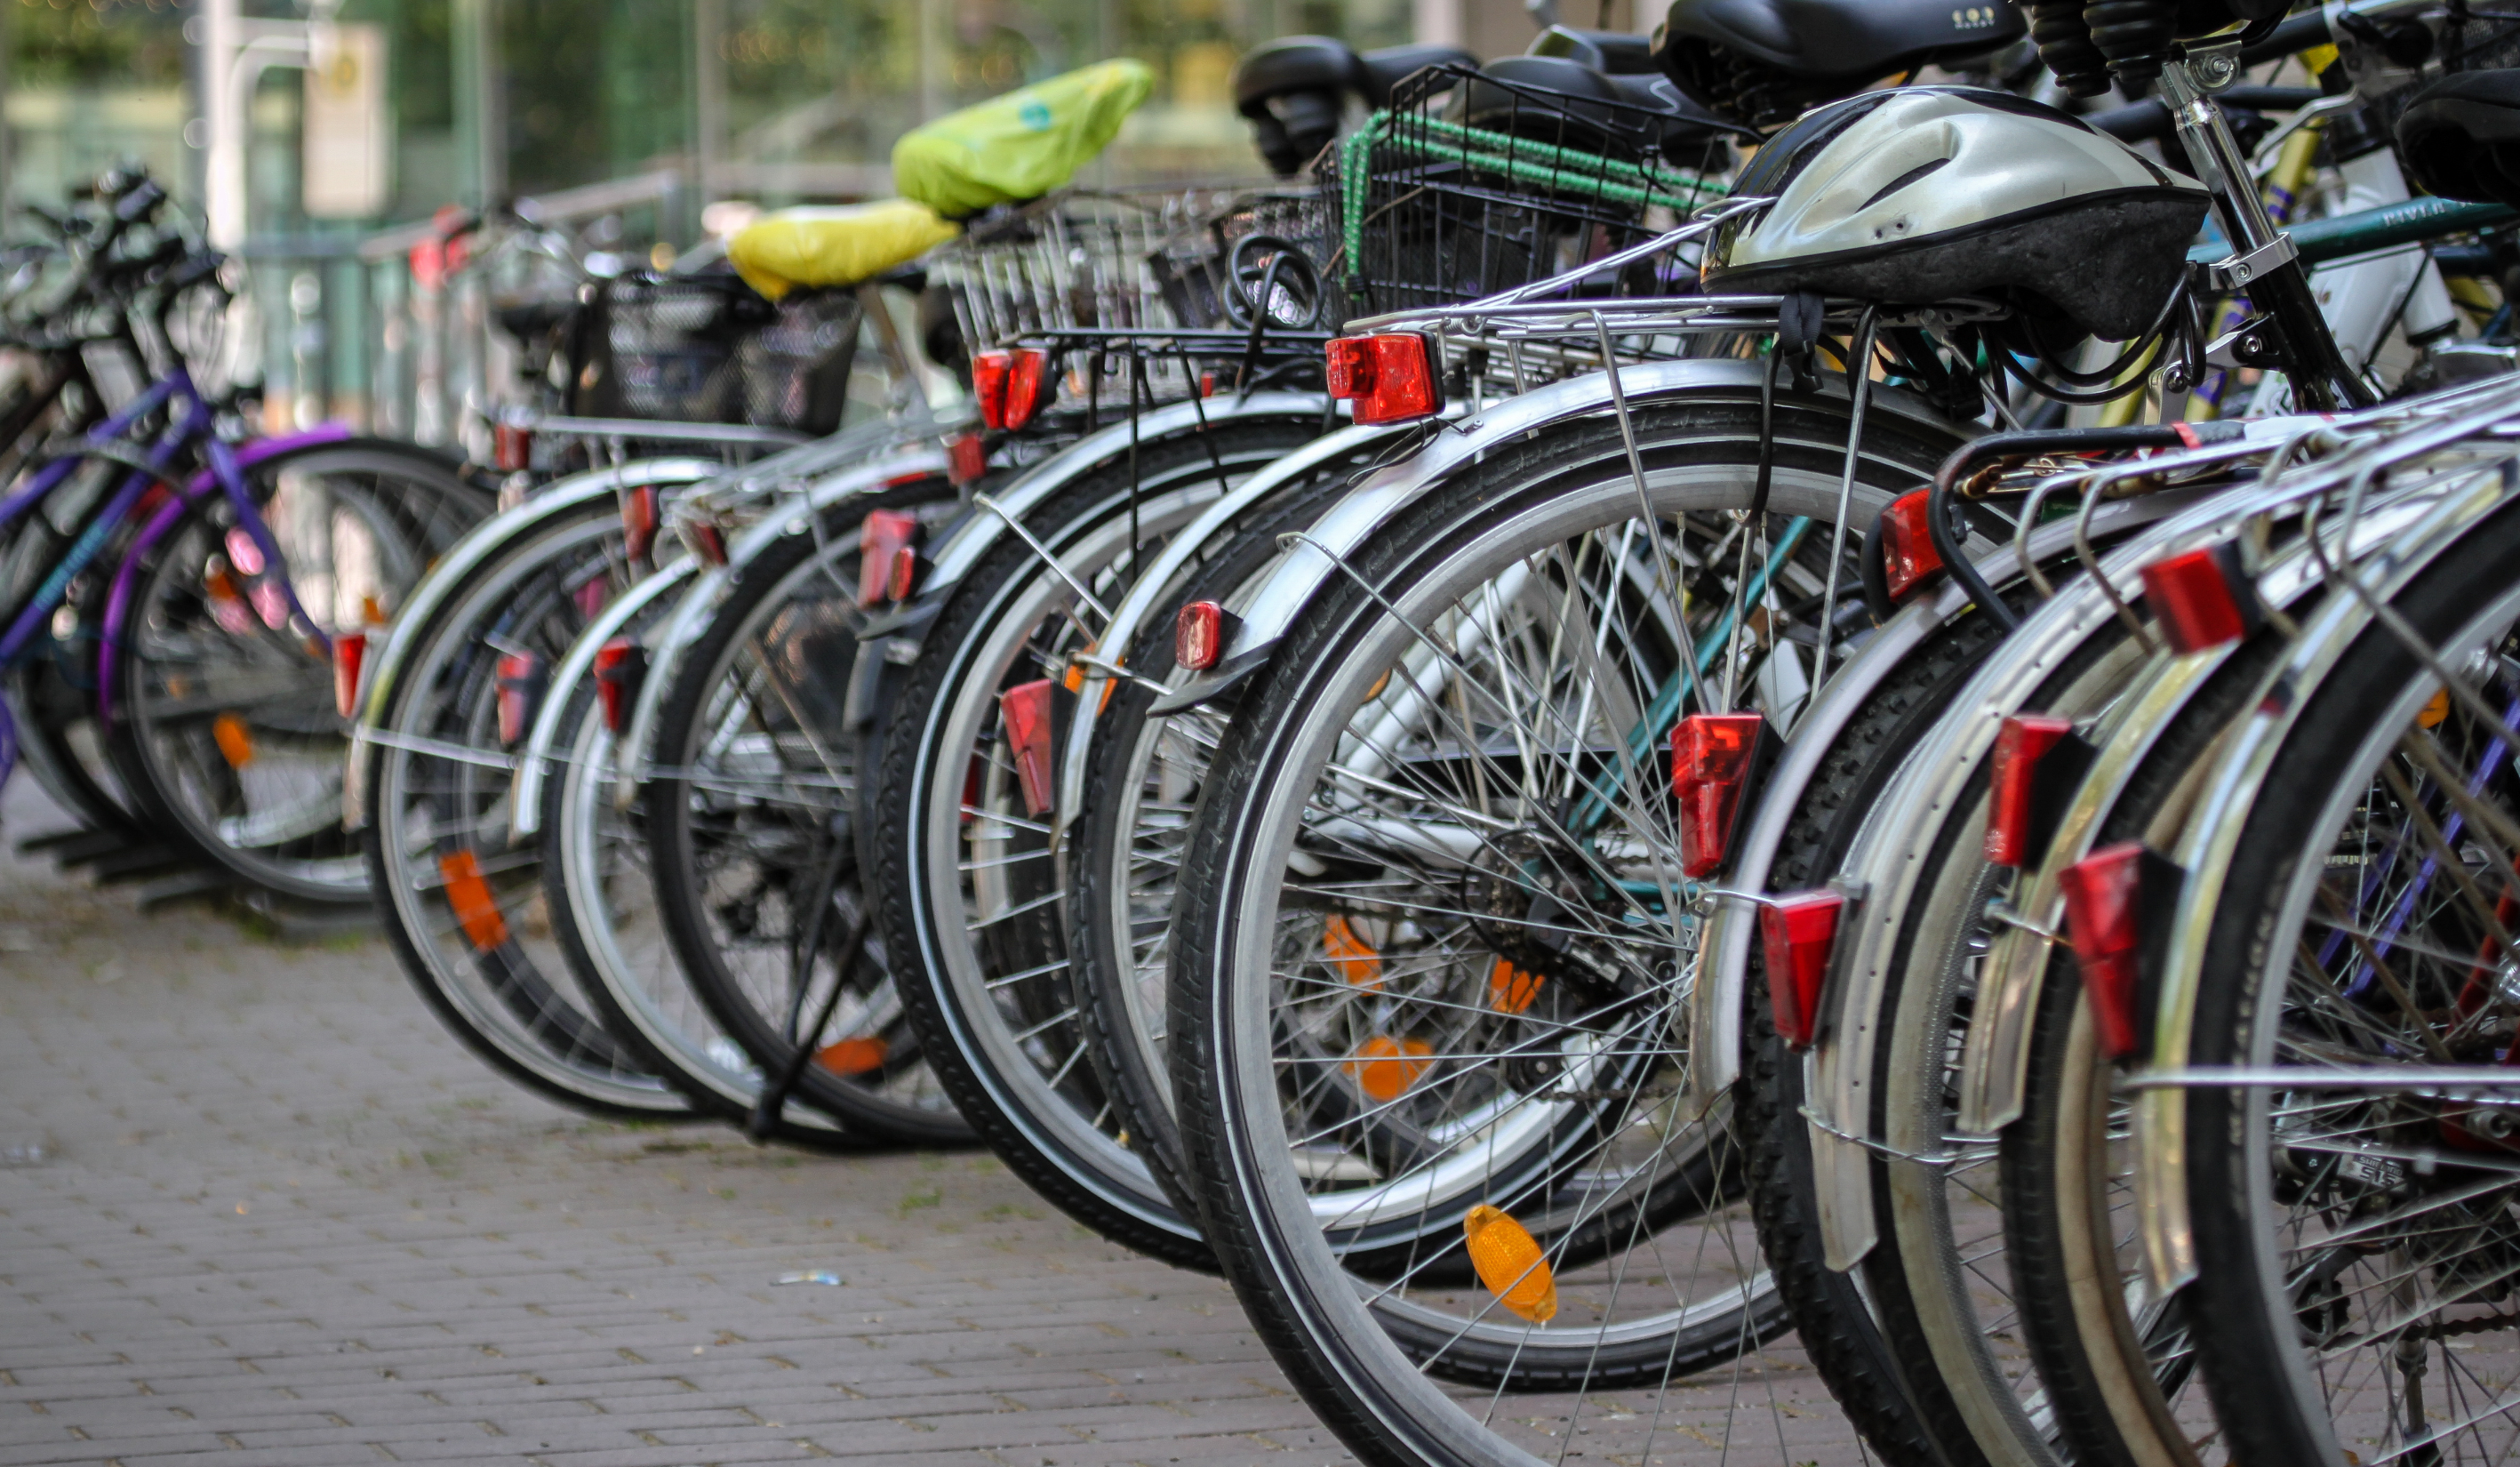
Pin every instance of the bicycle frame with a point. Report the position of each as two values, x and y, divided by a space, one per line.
191 425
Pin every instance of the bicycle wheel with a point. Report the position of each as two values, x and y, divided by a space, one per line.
1831 1315
1430 942
596 883
2354 1229
220 719
754 863
1141 777
2115 1359
52 691
962 865
463 908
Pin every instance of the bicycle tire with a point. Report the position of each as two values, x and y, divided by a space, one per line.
1045 1132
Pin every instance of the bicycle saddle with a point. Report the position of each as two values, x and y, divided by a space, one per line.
2461 136
1923 194
844 245
1615 52
1294 89
1763 62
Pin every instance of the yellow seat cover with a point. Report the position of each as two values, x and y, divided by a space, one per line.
1020 145
841 246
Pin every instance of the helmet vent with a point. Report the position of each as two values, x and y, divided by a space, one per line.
1901 181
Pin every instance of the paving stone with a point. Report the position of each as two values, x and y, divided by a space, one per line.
285 1218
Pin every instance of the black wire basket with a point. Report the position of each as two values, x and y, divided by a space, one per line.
1264 256
796 368
707 348
1472 183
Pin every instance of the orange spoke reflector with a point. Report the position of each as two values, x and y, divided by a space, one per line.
1510 989
852 1056
470 896
1351 954
1509 1262
1386 1068
235 740
2431 714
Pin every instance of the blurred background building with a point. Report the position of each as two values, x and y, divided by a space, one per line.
318 137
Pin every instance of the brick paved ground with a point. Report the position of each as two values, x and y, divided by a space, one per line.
279 1218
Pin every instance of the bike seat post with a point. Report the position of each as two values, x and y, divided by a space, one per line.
2211 147
2263 264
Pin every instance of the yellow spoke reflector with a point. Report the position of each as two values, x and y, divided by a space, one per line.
1509 1262
852 1056
2432 714
235 740
1351 954
474 908
1510 989
1384 1067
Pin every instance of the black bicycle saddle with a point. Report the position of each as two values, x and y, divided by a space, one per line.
2461 136
1294 89
1616 53
1764 62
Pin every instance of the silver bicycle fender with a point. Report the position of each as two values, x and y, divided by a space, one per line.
1385 495
1146 592
1994 1059
2205 848
1840 1100
1716 998
1838 1103
961 550
525 793
482 542
690 618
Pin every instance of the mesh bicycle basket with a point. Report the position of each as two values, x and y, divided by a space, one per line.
796 367
707 348
1472 183
1264 253
673 342
1088 268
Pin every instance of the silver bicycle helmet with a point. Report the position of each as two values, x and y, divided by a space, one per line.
1925 194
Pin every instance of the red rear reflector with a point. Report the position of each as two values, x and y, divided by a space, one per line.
1199 631
903 578
477 911
512 447
2202 598
989 373
704 540
2104 922
639 521
1907 553
1026 710
620 665
1710 758
521 691
1023 388
1391 379
2019 744
1797 934
883 534
350 655
966 458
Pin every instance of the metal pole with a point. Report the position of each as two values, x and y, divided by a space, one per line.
223 125
480 122
708 97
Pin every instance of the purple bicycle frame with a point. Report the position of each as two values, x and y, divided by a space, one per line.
226 471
